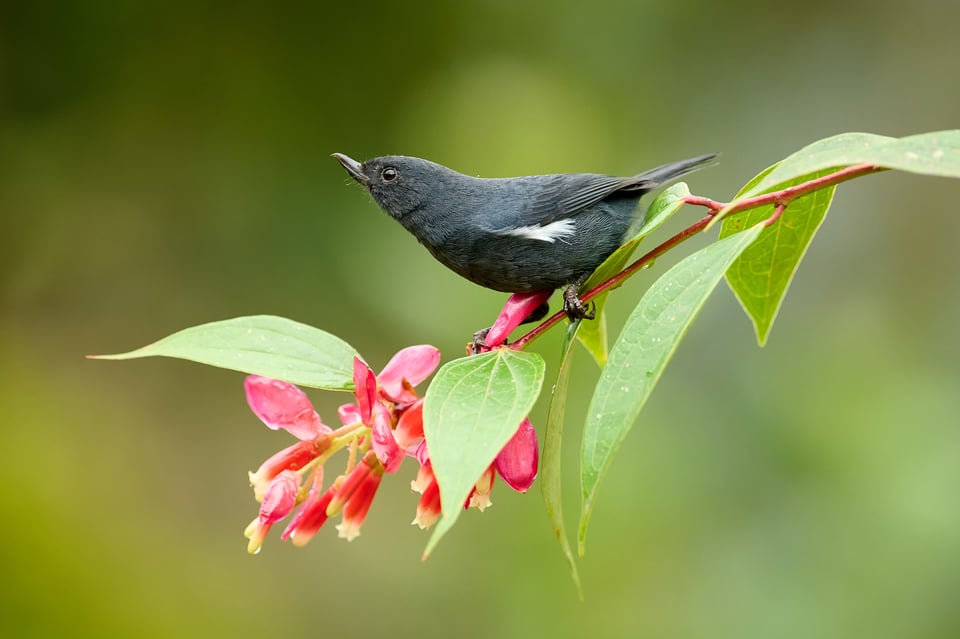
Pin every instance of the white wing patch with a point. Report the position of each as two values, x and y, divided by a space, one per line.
548 233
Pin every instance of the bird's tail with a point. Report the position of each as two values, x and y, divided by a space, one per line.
670 172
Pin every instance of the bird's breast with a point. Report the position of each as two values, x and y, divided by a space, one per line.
530 258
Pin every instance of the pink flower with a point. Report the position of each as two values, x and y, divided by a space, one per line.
383 401
291 458
278 501
479 497
428 508
409 430
312 514
385 424
385 445
282 405
516 464
280 498
407 369
356 495
517 309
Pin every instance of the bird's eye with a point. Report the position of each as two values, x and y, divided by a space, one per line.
389 174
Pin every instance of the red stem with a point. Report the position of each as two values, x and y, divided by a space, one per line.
617 279
777 212
790 193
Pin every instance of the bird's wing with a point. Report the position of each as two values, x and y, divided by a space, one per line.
589 190
548 204
547 214
564 196
553 201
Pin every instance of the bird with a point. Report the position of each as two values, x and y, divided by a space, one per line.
518 234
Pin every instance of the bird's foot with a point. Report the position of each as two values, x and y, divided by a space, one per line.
574 307
477 345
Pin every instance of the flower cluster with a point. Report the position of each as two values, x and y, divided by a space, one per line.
381 427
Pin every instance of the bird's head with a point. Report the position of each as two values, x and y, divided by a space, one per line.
400 184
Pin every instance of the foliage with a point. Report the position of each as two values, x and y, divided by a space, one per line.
474 404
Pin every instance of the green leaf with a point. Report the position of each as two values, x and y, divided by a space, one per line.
262 345
473 407
762 274
550 462
936 153
662 209
755 180
646 344
593 334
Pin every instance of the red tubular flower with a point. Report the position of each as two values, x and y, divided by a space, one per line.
364 389
281 405
479 497
517 462
428 508
515 311
383 441
425 477
409 430
291 458
280 497
384 400
356 477
382 404
384 425
356 509
278 501
356 495
312 514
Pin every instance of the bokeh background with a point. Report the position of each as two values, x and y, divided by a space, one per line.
167 164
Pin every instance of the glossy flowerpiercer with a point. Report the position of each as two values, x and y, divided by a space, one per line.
522 234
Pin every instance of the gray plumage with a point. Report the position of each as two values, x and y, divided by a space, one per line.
518 234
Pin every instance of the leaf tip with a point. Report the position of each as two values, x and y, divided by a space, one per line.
106 357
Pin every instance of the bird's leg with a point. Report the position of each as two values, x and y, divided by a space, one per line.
573 307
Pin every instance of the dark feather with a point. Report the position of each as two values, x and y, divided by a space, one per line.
555 197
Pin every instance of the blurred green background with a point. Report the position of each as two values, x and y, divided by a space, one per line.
167 164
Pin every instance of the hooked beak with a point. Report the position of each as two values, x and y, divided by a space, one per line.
354 168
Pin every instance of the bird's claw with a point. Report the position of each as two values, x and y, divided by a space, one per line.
575 308
478 344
